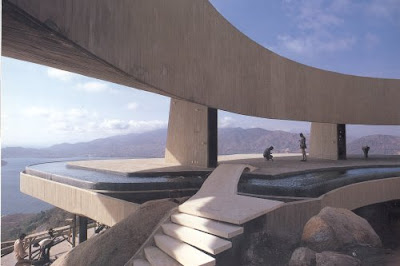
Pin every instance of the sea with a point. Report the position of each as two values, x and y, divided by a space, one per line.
14 201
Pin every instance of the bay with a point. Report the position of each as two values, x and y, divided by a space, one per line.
12 199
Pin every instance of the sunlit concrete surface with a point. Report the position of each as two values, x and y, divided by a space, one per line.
127 166
187 50
283 163
104 209
217 198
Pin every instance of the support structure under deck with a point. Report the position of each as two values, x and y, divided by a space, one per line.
192 134
328 141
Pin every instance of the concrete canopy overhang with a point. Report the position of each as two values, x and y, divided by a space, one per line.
186 50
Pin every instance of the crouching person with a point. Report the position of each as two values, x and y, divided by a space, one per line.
268 153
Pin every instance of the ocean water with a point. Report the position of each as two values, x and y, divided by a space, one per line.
14 201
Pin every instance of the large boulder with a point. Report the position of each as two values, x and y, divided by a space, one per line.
328 258
335 229
302 256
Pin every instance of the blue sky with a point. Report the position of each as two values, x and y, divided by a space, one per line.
42 106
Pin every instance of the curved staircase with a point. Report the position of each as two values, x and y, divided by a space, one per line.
201 230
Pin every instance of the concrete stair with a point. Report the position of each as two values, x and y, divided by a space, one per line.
141 262
203 229
188 240
156 257
209 243
183 253
213 227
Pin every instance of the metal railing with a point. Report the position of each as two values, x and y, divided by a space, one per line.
67 232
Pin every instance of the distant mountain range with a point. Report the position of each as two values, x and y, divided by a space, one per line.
230 141
379 144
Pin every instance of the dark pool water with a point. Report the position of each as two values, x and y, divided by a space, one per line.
311 184
60 172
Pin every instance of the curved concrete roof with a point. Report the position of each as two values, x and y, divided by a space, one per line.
187 50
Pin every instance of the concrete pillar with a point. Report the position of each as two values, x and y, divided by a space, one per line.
74 230
82 228
192 134
328 141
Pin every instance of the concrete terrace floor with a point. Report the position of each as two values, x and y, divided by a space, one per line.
282 164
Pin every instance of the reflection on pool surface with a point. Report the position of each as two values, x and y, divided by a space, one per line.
60 172
311 184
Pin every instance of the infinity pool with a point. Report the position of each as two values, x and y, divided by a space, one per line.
311 184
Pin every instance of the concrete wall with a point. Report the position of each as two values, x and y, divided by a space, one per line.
101 208
288 220
323 141
363 194
192 134
187 50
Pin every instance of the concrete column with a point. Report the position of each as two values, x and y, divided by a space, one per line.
192 134
73 230
82 228
328 141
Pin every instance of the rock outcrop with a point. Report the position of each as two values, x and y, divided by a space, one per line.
334 229
306 257
328 258
336 237
302 256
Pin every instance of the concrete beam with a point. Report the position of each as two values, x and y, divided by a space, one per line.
192 134
83 202
328 141
187 50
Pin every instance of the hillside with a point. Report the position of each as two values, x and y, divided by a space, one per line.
230 141
255 140
15 224
379 144
149 144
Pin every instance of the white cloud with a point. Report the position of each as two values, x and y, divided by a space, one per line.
81 121
61 126
77 113
132 106
141 126
4 122
93 86
311 44
114 124
60 74
226 121
36 111
54 115
341 6
371 40
318 22
387 9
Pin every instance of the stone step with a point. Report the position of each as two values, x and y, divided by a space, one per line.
206 225
234 209
157 257
182 252
209 243
140 262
